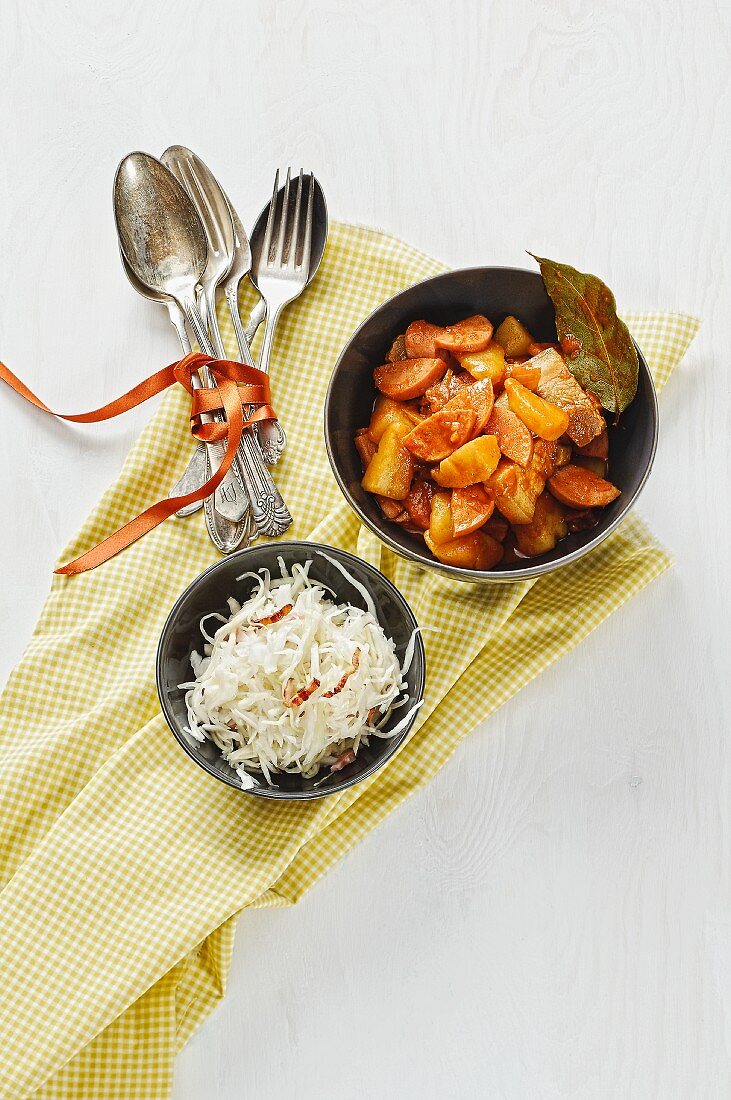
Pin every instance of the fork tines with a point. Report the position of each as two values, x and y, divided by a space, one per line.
286 241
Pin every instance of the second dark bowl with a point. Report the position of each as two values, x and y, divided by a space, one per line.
495 292
210 591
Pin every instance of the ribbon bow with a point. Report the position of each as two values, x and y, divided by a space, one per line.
236 385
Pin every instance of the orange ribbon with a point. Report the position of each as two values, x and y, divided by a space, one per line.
236 385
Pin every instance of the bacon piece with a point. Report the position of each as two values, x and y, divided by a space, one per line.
598 448
558 386
437 396
269 619
392 509
582 521
301 696
365 446
397 351
345 758
344 678
478 397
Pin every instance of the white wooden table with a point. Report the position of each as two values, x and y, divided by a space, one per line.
551 917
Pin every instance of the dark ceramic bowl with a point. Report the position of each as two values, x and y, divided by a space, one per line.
209 592
495 292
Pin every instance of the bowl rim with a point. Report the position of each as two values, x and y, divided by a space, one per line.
457 572
393 744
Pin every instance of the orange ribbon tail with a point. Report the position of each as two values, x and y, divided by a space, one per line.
236 385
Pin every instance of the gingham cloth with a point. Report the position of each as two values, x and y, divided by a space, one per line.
124 866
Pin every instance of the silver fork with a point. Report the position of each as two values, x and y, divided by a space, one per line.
234 505
280 268
270 433
268 508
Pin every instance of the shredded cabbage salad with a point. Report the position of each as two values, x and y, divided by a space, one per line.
293 681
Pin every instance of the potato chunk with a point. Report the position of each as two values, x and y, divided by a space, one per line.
544 530
489 363
440 434
524 373
579 488
475 551
441 528
543 419
389 413
472 463
513 337
408 378
391 469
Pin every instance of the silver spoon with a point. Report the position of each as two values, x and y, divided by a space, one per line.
213 210
227 536
317 248
165 246
269 510
229 257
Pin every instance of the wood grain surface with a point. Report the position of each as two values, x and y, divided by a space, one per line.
550 918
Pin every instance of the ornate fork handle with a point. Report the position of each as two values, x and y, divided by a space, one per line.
270 434
271 514
268 508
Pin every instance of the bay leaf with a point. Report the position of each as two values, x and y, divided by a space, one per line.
598 347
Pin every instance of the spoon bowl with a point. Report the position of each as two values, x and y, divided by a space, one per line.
159 231
164 243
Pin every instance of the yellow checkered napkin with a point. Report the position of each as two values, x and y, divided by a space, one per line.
123 865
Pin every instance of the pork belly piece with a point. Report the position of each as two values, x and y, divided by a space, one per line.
558 385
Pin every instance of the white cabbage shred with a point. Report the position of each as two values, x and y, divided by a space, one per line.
296 693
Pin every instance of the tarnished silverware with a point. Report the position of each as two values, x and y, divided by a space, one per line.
270 433
225 535
165 246
281 259
213 210
317 248
269 510
229 257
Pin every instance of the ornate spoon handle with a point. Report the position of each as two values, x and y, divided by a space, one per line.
269 510
231 498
